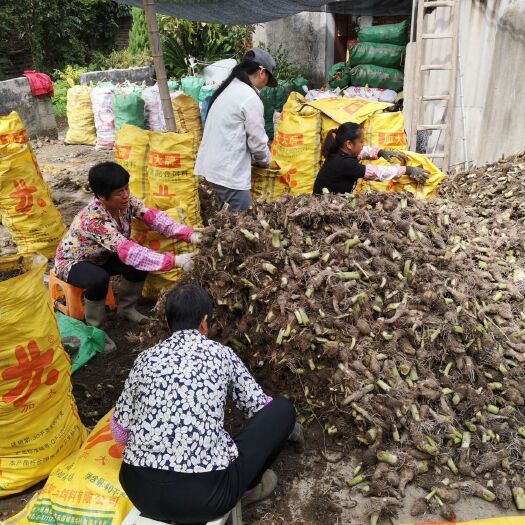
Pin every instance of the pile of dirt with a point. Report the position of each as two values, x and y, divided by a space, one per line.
396 323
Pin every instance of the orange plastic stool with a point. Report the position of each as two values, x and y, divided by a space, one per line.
73 305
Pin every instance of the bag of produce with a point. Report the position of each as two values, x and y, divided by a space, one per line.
384 34
128 107
338 76
377 77
377 54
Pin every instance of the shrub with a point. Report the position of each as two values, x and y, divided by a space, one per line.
182 39
283 69
138 36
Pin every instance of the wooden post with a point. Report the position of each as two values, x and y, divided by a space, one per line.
158 62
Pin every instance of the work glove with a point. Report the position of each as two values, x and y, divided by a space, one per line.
184 261
196 236
420 175
389 155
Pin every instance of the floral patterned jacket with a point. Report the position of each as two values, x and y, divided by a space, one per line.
94 235
171 411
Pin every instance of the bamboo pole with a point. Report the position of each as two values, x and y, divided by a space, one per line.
158 62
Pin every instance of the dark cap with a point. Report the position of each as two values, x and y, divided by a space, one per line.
265 60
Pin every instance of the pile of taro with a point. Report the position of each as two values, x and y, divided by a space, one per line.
397 324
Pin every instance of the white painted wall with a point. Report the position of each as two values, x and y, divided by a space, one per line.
492 62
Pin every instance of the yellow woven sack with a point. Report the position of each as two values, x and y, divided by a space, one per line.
296 147
141 234
12 129
84 489
39 423
268 184
187 116
385 130
337 110
341 109
172 188
131 148
25 204
80 117
169 166
404 183
157 281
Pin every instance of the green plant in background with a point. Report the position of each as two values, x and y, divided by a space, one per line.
58 33
124 59
207 43
70 75
138 36
62 81
283 69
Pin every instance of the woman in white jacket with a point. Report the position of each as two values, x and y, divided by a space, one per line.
234 135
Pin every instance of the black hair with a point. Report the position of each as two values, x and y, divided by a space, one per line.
336 137
186 306
246 67
107 177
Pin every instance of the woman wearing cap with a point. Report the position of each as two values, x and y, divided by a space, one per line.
234 136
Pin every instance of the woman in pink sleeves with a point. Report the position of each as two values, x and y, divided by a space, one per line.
98 246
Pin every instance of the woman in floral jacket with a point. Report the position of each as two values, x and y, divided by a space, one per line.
98 246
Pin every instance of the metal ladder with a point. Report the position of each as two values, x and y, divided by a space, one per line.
419 97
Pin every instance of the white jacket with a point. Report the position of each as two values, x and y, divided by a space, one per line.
233 136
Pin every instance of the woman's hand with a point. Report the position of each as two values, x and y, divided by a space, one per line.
420 175
196 237
184 261
390 155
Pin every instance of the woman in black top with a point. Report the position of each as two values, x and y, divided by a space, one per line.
343 149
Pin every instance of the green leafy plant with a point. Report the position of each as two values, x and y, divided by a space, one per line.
182 39
58 33
124 59
138 36
283 68
62 81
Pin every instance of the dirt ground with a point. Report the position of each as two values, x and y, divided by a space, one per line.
312 485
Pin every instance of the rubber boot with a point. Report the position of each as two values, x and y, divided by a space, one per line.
297 436
95 315
262 490
128 297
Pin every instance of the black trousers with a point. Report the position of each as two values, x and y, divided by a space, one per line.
198 498
95 278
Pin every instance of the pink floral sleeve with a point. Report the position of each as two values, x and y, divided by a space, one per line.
119 433
165 225
379 173
161 222
384 173
104 233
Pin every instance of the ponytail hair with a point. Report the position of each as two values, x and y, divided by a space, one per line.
246 67
337 137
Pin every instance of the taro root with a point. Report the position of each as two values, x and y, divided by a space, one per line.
397 324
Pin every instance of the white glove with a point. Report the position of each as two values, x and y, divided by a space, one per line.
184 261
196 238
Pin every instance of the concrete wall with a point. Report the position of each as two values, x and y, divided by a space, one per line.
36 112
309 40
134 74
